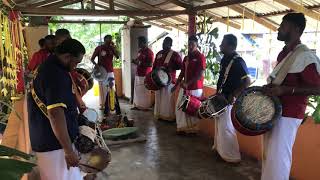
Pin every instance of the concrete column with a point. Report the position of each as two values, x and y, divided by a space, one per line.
192 24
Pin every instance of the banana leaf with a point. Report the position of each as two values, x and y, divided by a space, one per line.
7 151
11 169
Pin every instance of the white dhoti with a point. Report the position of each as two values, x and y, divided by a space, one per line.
225 138
103 89
185 122
52 166
142 96
277 146
164 107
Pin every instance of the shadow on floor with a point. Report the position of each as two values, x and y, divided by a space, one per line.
167 156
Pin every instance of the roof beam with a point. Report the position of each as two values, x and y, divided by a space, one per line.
62 4
147 6
155 18
181 4
250 14
224 21
65 12
111 5
133 17
86 22
299 8
42 3
220 4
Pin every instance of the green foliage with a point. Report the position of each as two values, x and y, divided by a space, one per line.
314 105
91 35
13 169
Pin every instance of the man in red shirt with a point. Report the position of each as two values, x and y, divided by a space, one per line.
164 102
191 80
302 80
105 53
142 96
40 56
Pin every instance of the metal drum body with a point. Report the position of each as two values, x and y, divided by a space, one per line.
157 79
94 153
190 105
213 107
254 113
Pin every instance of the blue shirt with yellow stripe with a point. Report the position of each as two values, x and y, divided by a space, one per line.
53 86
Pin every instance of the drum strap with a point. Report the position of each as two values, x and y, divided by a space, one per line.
36 99
226 73
168 57
284 67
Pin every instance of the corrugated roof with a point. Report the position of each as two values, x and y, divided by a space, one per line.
270 11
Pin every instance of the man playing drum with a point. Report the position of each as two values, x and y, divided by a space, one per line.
300 80
164 101
191 80
232 80
52 110
105 54
142 96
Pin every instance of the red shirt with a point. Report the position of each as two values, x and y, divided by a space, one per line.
175 63
145 57
37 59
295 106
193 64
105 55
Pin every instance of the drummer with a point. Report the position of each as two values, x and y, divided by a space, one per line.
142 96
234 71
300 82
105 52
52 118
164 102
191 81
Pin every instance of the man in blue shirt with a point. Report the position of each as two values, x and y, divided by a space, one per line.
53 113
232 80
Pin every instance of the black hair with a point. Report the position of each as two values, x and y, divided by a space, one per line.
107 36
231 40
49 37
168 39
142 39
193 38
41 42
62 32
72 46
297 19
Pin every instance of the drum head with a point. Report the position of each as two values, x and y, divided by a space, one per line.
91 115
183 102
87 75
99 73
163 77
217 103
95 161
257 111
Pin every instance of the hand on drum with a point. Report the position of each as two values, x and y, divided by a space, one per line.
72 159
274 90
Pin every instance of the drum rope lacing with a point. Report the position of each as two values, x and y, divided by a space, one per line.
88 132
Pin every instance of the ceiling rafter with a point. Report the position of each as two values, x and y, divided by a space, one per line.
224 21
250 14
297 7
147 6
220 4
134 17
